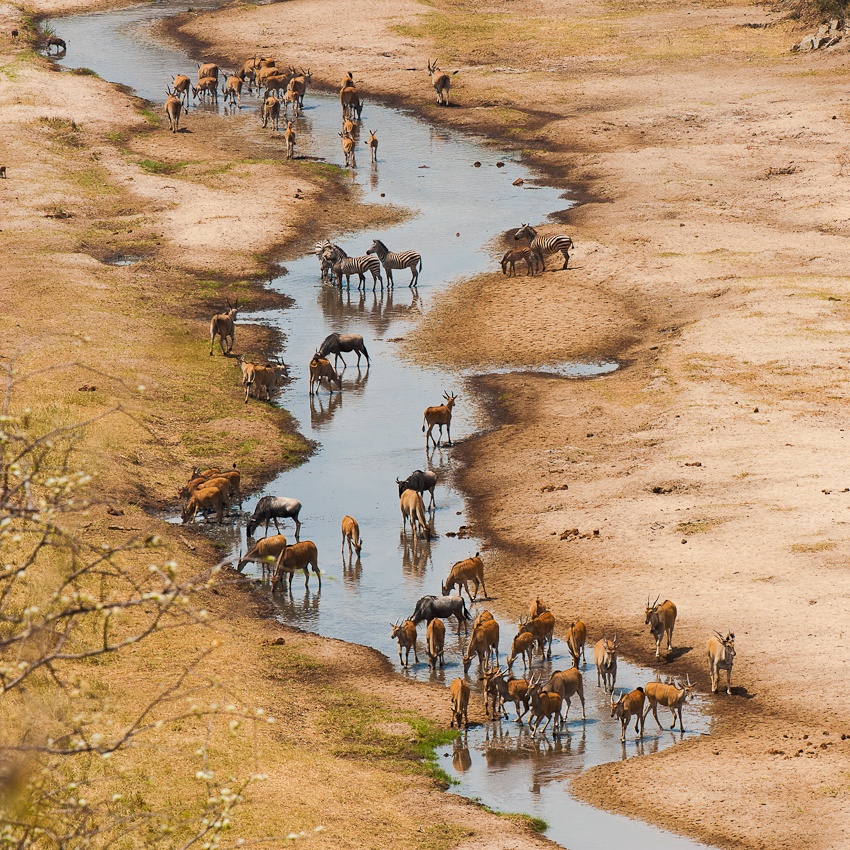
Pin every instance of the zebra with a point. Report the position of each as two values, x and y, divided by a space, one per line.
358 265
541 245
328 254
402 260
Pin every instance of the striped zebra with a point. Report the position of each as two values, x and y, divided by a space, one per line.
328 254
358 265
402 260
542 245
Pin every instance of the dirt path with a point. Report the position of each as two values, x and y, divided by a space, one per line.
710 258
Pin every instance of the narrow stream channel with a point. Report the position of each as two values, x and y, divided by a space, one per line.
370 433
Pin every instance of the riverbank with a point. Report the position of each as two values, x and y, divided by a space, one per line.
93 175
709 162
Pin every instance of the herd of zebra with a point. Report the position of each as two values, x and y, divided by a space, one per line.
336 264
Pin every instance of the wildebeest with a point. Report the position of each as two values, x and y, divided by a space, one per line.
469 569
439 415
721 653
673 696
58 43
429 607
337 344
661 619
420 481
271 509
300 556
605 658
629 705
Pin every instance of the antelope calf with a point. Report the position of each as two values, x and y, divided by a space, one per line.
523 644
721 654
265 553
299 81
470 569
544 703
373 145
605 658
351 533
271 112
321 369
413 508
459 691
405 634
661 620
300 556
576 640
508 690
173 108
291 97
263 379
543 629
206 86
439 415
232 90
348 126
673 696
348 149
289 138
435 639
629 705
222 325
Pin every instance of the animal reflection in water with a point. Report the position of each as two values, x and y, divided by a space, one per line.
299 609
323 409
416 554
380 310
352 568
461 757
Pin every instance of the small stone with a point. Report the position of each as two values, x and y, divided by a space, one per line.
383 194
476 164
500 165
684 540
755 410
518 182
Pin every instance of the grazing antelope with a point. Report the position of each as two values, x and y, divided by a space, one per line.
544 703
206 86
173 108
661 620
484 639
629 705
543 628
263 379
321 369
348 149
542 245
435 638
232 476
419 481
351 533
721 653
289 138
222 325
673 696
511 258
350 102
459 691
605 658
271 509
470 569
405 634
576 639
271 112
537 607
58 43
398 260
299 556
508 690
373 145
205 498
439 415
441 82
264 552
180 86
413 508
232 90
210 69
568 683
523 644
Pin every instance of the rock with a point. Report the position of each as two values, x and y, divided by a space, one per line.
476 164
518 182
500 165
808 43
833 25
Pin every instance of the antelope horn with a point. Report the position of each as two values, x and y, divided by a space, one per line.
719 635
689 680
656 600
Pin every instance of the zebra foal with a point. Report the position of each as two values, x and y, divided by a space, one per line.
542 245
402 260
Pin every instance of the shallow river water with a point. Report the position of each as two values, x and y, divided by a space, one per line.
370 433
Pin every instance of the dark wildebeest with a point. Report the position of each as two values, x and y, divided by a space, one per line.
419 481
336 344
56 42
430 607
271 509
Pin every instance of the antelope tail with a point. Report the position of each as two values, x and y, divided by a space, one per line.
424 420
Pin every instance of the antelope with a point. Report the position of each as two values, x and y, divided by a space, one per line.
484 638
673 696
441 82
523 644
223 482
543 628
544 703
721 653
629 705
351 533
265 378
348 149
205 498
661 619
264 552
264 73
470 569
537 607
605 658
320 368
274 83
568 683
350 102
173 108
405 634
373 145
435 638
271 111
210 69
289 138
576 639
298 83
348 81
206 85
482 617
509 690
291 97
180 86
511 258
299 556
459 691
413 508
439 415
348 126
232 89
222 326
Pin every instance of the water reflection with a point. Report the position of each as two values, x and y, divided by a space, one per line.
300 608
415 553
379 308
323 408
461 757
352 570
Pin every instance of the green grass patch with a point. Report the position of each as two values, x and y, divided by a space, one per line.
321 169
93 180
697 526
804 548
151 166
83 72
149 116
527 821
62 131
246 447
